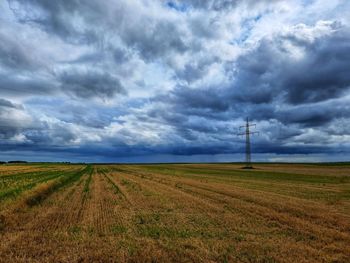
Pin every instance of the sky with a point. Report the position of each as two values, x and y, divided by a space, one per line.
172 81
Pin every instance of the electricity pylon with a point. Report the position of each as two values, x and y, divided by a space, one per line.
247 133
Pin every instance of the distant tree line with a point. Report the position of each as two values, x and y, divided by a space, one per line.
2 162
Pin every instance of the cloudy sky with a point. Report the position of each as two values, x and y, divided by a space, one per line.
171 81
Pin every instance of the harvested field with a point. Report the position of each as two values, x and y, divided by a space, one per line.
175 213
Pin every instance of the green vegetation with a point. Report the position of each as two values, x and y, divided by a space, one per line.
45 190
12 186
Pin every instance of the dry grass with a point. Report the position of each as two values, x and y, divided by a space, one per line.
182 213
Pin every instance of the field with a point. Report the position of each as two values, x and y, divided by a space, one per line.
174 213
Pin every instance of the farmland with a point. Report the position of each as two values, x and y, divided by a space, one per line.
174 212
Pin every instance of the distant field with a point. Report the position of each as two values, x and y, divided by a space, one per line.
174 213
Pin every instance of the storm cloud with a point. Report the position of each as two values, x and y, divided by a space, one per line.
173 80
91 84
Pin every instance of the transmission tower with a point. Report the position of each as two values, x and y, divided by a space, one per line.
247 133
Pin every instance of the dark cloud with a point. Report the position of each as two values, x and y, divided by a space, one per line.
14 54
79 23
326 66
120 55
206 98
23 85
81 114
313 115
89 58
12 119
54 134
205 27
91 85
155 39
256 79
194 70
7 104
59 17
270 71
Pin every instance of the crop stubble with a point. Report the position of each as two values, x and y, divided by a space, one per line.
196 213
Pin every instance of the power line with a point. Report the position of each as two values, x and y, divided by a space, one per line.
247 133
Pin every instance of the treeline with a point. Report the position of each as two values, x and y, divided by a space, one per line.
3 162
